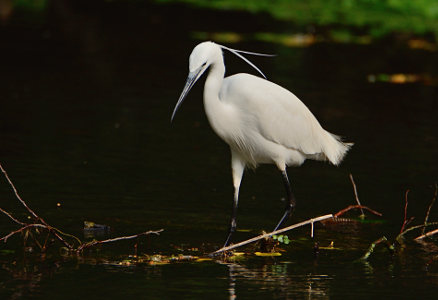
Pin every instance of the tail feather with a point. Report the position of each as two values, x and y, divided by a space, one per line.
335 149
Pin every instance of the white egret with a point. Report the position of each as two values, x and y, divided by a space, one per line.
260 121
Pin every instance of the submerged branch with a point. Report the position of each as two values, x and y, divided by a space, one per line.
311 221
373 245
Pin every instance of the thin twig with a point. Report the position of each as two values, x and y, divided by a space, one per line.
45 242
68 235
262 236
55 231
413 228
428 234
430 207
19 198
405 221
50 228
356 196
12 218
343 211
93 243
5 238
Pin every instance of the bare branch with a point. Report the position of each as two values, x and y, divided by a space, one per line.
52 229
428 234
405 221
18 196
430 207
93 243
55 231
343 211
356 196
311 221
398 238
12 218
5 238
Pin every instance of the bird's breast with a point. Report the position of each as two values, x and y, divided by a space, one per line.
243 139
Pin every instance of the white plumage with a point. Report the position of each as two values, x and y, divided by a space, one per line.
260 121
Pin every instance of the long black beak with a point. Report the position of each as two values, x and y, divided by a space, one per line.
191 80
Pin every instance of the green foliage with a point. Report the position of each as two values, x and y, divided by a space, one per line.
377 17
31 5
284 239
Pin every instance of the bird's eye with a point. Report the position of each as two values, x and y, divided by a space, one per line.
204 64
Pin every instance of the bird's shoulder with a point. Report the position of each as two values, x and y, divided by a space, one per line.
245 82
277 113
247 90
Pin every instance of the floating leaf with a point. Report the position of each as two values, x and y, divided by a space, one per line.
330 247
202 259
244 230
267 254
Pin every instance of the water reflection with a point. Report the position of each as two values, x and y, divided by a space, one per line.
299 276
276 278
22 277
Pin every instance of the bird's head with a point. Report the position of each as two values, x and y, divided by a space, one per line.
202 57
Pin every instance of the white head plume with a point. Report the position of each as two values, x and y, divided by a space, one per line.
237 53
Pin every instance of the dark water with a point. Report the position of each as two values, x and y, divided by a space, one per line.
86 96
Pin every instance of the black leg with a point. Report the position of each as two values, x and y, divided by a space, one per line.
233 222
290 201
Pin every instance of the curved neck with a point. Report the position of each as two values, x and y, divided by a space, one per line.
215 109
214 80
